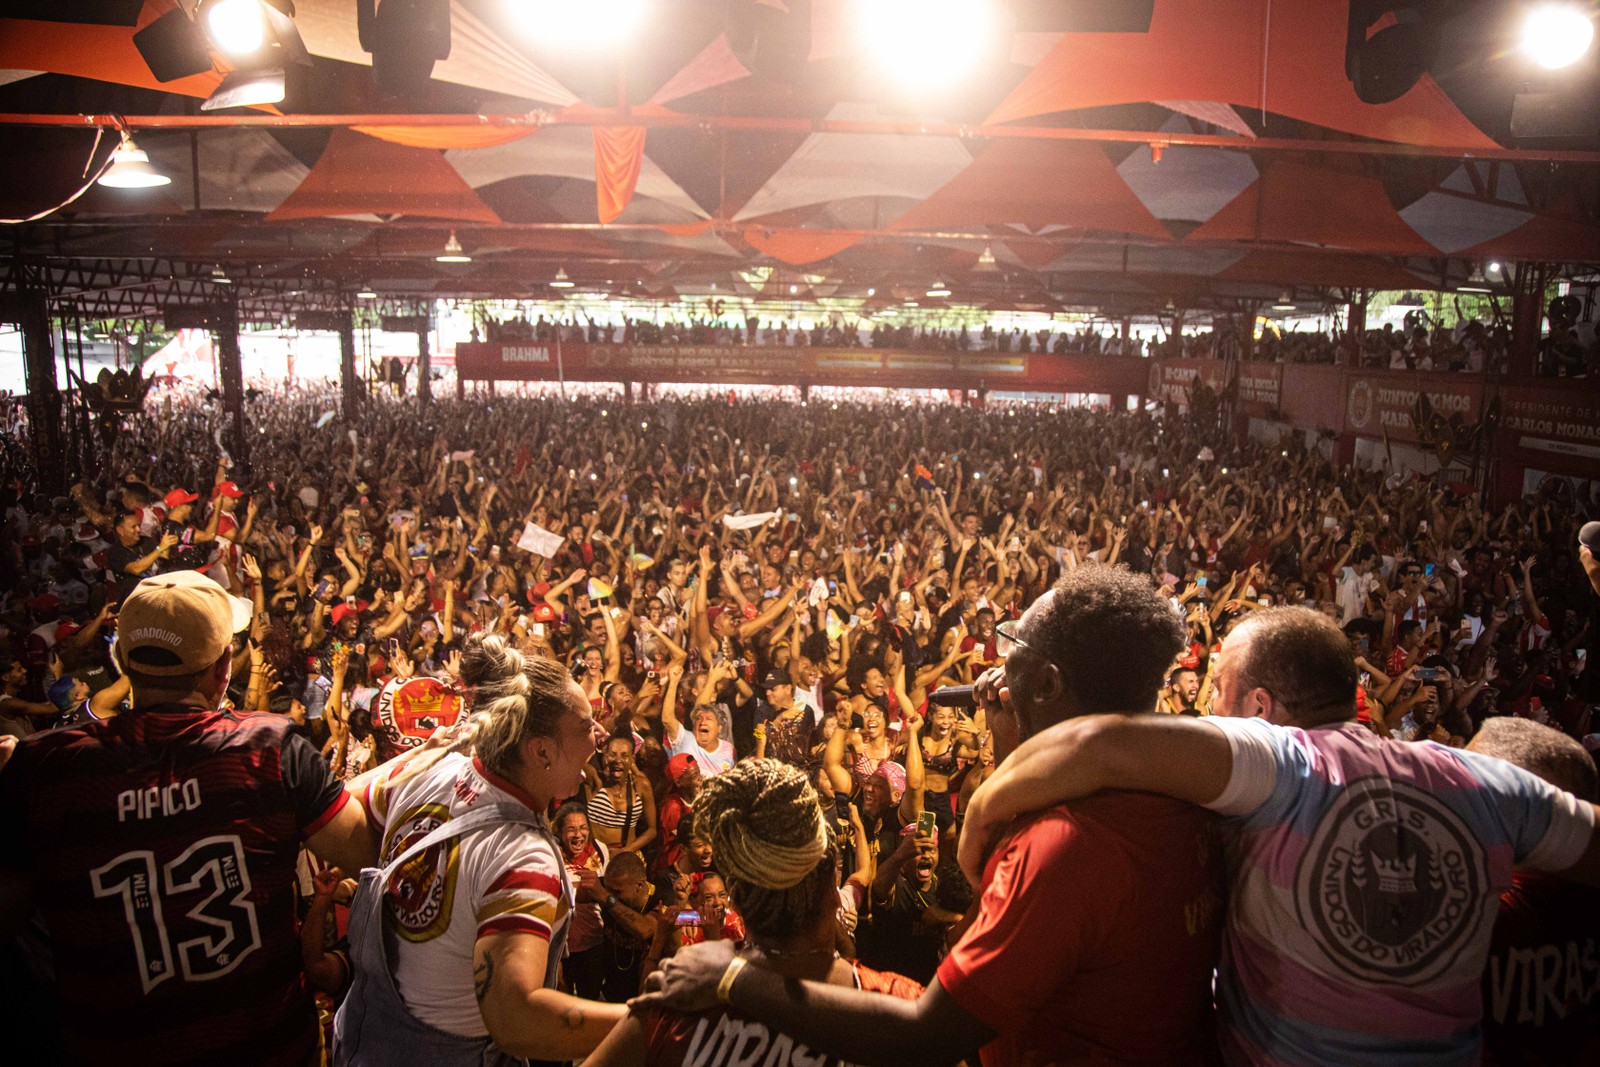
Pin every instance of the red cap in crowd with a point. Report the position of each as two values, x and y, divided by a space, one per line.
179 497
343 611
543 612
229 489
678 766
45 603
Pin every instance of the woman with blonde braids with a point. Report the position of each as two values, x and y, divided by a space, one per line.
456 940
776 847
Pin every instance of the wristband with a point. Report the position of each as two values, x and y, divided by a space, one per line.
725 987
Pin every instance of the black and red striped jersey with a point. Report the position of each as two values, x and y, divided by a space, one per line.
161 847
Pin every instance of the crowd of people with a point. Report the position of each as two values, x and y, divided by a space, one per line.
823 333
1469 344
689 654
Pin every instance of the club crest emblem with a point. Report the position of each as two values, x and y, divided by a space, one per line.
1392 885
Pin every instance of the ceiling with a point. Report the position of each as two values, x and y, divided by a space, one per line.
1123 156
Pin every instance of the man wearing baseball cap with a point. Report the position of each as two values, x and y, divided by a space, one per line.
160 847
194 543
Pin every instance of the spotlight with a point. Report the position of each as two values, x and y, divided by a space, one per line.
247 88
172 47
452 252
1494 271
366 294
1285 302
406 38
254 32
923 45
130 169
768 38
220 276
237 27
939 289
986 259
1556 35
1385 66
561 281
591 25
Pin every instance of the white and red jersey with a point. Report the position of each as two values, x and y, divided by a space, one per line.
506 879
587 929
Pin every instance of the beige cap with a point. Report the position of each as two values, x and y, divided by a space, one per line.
177 623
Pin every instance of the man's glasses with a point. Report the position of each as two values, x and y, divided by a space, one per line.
1006 639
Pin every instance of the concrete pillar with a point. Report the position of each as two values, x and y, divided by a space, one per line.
349 384
230 368
1527 319
424 366
32 313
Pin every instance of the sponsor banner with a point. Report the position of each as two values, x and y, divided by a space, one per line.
1377 403
1260 385
912 361
480 361
1544 425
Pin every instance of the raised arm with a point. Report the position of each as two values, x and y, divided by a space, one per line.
1187 759
669 704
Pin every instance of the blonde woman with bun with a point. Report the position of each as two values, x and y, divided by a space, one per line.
776 849
457 939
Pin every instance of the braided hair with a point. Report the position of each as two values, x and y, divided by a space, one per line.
516 698
773 843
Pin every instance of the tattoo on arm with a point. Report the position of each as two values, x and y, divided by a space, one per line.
482 975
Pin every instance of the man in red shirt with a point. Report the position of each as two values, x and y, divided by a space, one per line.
1098 927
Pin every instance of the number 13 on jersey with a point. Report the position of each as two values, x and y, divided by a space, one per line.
225 920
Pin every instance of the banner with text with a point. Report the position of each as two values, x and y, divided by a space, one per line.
1260 385
489 361
1379 403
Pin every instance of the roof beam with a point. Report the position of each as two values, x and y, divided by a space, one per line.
656 119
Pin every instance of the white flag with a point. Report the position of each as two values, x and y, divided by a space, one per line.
539 541
749 522
819 592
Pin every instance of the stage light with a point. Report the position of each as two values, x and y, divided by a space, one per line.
986 259
236 27
1285 302
406 38
593 24
172 47
939 289
130 169
1556 35
366 294
771 39
926 44
561 281
1494 271
1388 64
452 252
248 88
220 276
